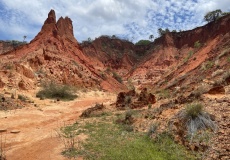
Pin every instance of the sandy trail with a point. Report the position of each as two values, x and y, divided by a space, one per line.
38 127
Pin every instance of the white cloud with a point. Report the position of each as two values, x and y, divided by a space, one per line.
92 18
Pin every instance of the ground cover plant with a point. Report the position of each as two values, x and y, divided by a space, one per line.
110 140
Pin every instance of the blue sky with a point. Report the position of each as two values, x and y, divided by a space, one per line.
131 19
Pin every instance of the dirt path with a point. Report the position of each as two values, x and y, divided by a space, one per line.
38 138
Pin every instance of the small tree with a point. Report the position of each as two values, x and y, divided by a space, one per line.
24 38
151 37
213 15
89 40
113 37
225 13
162 32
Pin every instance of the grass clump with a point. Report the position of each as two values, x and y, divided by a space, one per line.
22 97
225 52
197 119
164 94
208 65
52 90
197 44
72 144
190 53
194 109
117 77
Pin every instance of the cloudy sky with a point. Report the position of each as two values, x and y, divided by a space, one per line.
130 19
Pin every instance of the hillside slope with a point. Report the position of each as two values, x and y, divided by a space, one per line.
54 54
193 54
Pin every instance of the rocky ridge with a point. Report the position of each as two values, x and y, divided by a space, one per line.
54 54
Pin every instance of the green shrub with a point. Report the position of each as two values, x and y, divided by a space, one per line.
164 94
197 44
117 77
196 119
190 53
53 90
130 85
143 42
207 65
22 98
152 129
149 106
194 109
9 66
68 135
103 75
223 53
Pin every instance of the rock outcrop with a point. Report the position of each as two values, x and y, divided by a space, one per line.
131 99
55 55
60 29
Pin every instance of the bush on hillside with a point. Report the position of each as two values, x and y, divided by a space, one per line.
117 77
52 90
143 42
196 119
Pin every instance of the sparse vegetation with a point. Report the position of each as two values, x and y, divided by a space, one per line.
16 43
108 140
53 90
201 137
103 75
143 42
117 77
9 66
213 15
190 53
223 53
217 72
164 94
198 92
130 84
207 65
68 135
162 32
196 119
22 97
152 129
75 63
197 44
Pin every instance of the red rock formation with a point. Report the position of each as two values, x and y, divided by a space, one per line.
132 100
65 28
54 54
174 56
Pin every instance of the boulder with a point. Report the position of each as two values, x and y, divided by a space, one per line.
93 110
132 100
